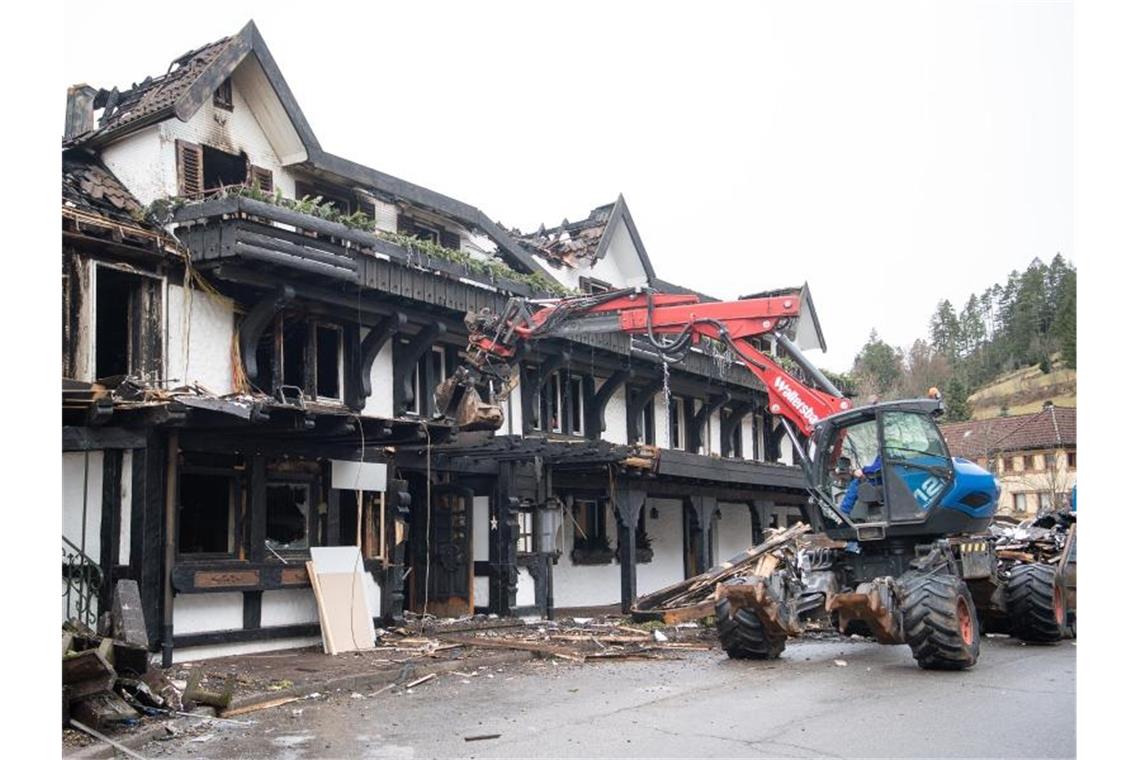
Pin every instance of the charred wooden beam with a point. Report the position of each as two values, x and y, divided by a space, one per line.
532 383
404 370
728 427
696 437
254 325
628 503
360 386
636 399
596 405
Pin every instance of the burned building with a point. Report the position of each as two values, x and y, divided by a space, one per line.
253 328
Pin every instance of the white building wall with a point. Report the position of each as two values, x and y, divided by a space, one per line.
746 448
192 654
615 431
380 403
524 597
514 411
206 322
126 482
712 445
786 451
288 607
198 613
73 492
666 534
586 585
661 420
733 530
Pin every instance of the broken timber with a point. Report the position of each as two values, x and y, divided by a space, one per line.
692 598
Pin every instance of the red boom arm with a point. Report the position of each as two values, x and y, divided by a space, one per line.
728 321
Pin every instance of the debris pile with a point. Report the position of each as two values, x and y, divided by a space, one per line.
1038 540
692 598
572 639
106 676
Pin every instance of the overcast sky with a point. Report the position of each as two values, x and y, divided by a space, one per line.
890 154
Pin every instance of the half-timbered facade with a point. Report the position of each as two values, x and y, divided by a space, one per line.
253 329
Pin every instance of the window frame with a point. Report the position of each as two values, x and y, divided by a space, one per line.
139 337
677 424
235 477
224 95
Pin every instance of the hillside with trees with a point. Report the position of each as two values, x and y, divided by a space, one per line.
1022 334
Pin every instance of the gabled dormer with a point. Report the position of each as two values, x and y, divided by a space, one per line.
599 252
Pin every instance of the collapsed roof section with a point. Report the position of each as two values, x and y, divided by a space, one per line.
96 203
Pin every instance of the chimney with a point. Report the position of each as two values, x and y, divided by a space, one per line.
80 110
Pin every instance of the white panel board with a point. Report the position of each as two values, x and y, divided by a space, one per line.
481 528
359 476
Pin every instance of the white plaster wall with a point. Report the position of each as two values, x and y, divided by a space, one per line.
126 482
372 594
661 420
615 431
288 606
196 613
73 489
666 533
786 451
481 528
568 277
621 265
380 403
733 530
586 585
482 591
746 437
514 409
210 319
193 654
524 597
145 163
712 445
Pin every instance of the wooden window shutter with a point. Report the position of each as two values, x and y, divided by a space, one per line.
189 156
261 178
449 239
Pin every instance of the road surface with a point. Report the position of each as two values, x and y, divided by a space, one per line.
1019 701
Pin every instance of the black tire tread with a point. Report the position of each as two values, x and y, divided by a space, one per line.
930 621
1029 599
742 635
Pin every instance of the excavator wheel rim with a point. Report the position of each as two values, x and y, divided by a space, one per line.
965 622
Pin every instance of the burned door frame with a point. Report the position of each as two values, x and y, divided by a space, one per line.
423 539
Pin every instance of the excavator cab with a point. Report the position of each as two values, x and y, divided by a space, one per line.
912 484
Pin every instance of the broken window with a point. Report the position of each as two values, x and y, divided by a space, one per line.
342 200
302 354
423 230
591 545
327 349
737 440
114 291
561 404
287 512
677 423
208 497
431 368
648 424
202 168
224 96
128 311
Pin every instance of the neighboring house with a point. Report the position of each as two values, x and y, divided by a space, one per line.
1033 455
247 375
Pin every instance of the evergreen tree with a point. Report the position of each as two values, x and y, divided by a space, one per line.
957 401
878 368
1065 323
945 335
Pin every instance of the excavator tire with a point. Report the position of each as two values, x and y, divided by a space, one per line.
1036 603
742 635
940 623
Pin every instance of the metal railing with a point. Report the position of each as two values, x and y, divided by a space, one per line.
82 585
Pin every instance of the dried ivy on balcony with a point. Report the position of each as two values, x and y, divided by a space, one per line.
162 211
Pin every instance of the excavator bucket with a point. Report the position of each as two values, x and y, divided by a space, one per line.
457 398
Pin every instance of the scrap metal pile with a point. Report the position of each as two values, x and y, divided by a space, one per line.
1038 540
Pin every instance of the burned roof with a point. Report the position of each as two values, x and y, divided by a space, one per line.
570 243
1052 427
156 97
92 189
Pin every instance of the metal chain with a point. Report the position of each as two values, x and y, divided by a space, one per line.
668 403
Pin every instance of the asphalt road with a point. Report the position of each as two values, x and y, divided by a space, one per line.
1019 701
